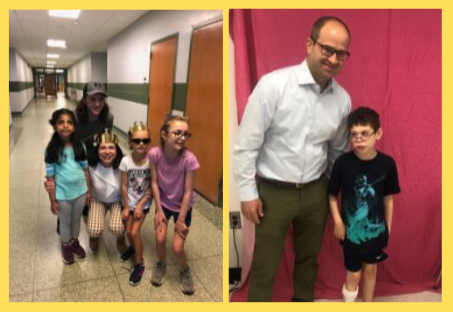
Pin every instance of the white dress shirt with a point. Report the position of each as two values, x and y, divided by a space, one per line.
290 131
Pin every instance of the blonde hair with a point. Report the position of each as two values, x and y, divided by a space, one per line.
137 126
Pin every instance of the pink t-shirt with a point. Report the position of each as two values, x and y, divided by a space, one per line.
171 176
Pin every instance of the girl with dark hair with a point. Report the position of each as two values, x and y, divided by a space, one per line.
106 190
67 168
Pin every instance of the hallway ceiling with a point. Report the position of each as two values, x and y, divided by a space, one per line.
30 30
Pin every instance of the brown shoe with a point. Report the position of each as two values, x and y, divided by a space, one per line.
121 244
94 243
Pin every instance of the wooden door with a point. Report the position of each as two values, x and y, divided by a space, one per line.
161 81
50 85
204 107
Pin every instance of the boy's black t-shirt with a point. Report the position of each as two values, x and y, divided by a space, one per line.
363 185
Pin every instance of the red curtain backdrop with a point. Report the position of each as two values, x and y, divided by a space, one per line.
395 68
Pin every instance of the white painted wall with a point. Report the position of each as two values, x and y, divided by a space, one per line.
19 71
99 67
128 55
234 201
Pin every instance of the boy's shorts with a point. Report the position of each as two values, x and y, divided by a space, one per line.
353 262
169 213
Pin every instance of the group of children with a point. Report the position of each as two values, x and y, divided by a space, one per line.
126 186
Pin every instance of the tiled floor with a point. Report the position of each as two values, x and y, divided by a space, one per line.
36 270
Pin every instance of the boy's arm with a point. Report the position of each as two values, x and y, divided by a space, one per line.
388 209
339 230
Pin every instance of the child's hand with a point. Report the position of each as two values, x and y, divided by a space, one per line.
54 208
125 213
181 229
148 194
339 230
159 219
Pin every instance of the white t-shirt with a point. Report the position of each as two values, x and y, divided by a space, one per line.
138 181
106 184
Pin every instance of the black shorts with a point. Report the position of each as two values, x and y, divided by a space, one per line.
169 213
353 262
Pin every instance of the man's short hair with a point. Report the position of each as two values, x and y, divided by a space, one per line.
320 22
364 116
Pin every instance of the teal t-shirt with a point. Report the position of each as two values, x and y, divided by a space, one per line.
69 175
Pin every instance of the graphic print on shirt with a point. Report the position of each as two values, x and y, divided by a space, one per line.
361 225
139 181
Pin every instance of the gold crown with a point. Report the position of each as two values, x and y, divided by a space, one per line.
137 126
106 137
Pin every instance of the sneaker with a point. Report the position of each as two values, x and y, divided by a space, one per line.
66 251
157 278
127 254
187 282
94 243
78 251
136 275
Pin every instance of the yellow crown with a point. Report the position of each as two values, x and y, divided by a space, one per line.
106 137
137 126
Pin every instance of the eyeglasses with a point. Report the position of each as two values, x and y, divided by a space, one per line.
179 134
144 141
329 51
364 135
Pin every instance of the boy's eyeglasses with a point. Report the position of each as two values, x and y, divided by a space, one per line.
179 134
138 141
329 51
364 135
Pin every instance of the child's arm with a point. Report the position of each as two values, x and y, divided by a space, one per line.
181 227
138 210
52 197
88 178
124 195
339 230
388 209
160 217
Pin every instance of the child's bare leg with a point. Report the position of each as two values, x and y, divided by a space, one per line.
369 281
178 249
350 288
161 242
138 244
129 226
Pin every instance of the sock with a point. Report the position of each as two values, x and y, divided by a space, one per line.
349 296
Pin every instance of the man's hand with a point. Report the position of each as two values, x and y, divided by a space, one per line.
252 210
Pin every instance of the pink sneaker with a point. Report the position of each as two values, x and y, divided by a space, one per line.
78 251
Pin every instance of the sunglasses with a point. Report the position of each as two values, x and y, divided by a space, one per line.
138 141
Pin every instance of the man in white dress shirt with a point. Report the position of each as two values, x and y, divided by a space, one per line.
293 129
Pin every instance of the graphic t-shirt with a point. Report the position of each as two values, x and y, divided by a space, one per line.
363 186
138 181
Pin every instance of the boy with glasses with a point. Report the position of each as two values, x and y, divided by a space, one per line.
367 180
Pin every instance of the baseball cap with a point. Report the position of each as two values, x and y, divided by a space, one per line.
95 87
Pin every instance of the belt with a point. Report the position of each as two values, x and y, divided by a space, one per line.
282 183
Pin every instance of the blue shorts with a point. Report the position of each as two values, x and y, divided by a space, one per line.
169 213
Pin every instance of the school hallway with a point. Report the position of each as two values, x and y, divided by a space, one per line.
36 269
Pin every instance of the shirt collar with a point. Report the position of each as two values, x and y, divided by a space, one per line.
304 77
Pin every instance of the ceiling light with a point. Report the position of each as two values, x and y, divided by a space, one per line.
56 43
65 13
60 71
50 66
51 62
53 56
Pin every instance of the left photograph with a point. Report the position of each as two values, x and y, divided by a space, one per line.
115 156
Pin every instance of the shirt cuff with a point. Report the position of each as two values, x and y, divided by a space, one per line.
247 193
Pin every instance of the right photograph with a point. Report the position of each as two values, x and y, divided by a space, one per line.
335 155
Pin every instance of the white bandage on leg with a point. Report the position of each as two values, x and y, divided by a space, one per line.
349 296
